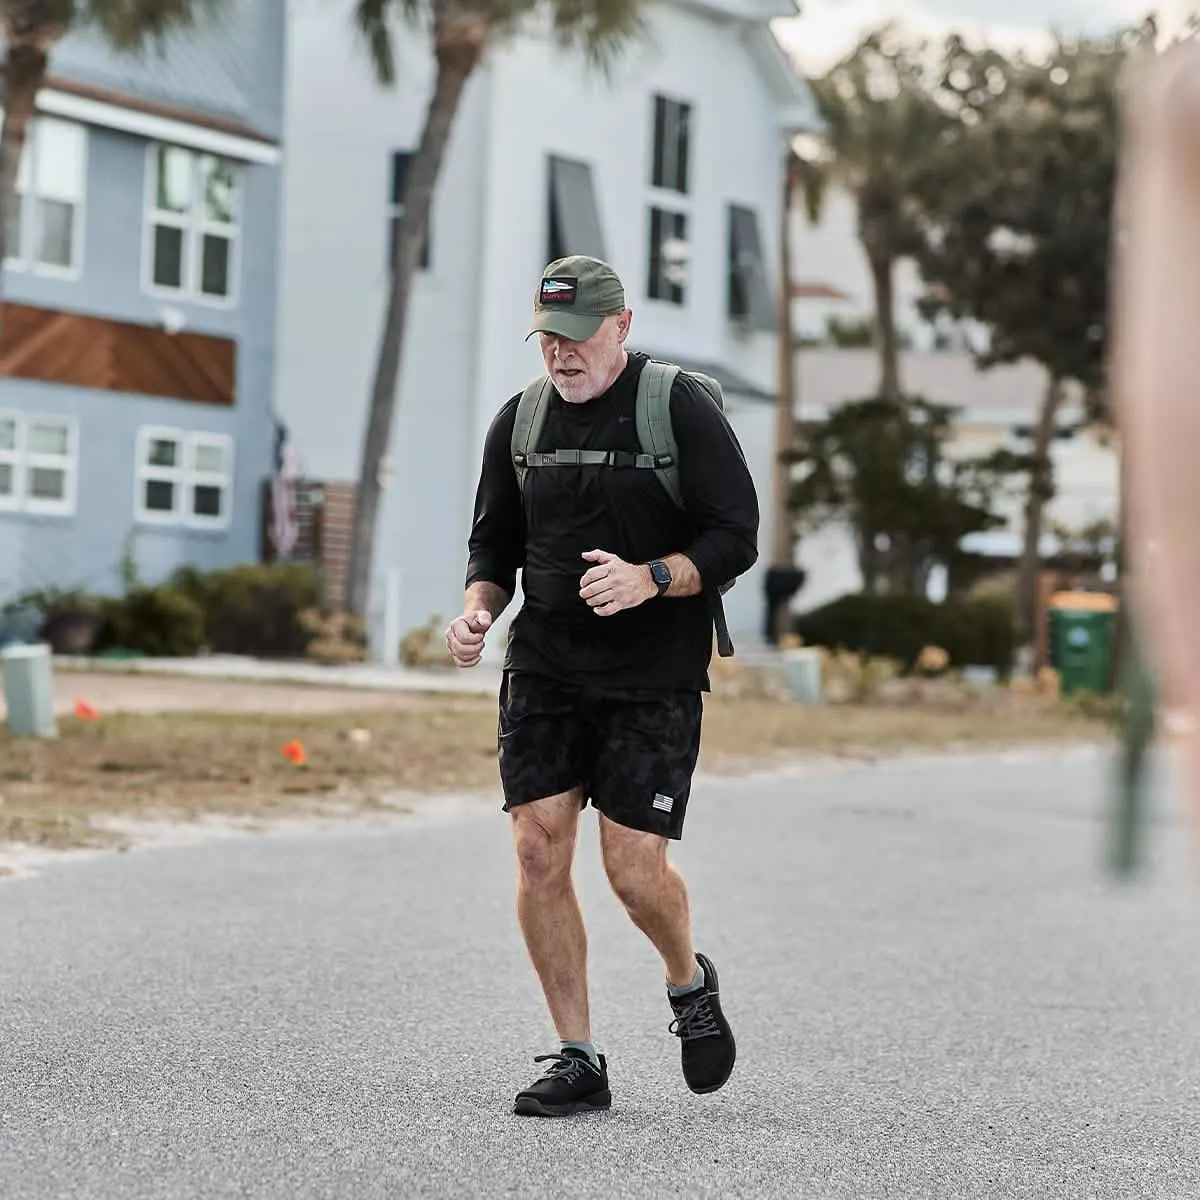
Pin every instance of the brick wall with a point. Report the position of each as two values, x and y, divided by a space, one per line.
335 516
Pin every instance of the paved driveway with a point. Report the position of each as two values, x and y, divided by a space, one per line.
936 994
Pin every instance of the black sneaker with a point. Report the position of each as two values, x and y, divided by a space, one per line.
573 1085
707 1050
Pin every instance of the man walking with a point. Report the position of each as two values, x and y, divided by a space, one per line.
607 659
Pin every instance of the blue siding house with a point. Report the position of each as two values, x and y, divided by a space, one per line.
137 355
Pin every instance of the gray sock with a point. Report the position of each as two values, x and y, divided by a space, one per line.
585 1047
697 981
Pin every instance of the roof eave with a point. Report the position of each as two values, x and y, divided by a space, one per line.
795 104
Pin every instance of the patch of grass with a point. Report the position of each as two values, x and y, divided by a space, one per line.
739 730
190 764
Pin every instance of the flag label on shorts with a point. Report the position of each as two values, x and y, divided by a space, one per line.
663 803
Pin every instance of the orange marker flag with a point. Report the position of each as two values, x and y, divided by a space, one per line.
85 712
294 752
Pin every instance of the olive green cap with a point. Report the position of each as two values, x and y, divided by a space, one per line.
574 296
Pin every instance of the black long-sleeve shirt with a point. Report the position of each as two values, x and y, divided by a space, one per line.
665 642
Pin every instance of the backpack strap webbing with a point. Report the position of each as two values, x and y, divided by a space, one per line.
532 410
655 432
657 436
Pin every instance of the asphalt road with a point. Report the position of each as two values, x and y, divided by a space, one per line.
936 994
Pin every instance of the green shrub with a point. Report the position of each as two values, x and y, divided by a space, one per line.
255 608
66 618
977 632
160 621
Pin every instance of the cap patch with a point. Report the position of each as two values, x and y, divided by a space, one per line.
559 290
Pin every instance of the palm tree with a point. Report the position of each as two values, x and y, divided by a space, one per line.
882 119
783 524
462 32
32 28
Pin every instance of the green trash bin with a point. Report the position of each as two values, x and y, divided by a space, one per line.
1082 649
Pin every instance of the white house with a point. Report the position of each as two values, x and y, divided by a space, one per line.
686 142
998 407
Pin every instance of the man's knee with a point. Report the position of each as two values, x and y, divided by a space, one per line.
635 864
544 839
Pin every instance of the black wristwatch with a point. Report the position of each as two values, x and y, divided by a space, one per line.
661 574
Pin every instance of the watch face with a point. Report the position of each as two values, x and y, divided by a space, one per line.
661 573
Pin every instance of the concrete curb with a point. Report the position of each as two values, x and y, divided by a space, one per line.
482 680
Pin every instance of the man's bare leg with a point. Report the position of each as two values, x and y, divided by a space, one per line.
1155 377
544 835
653 893
655 897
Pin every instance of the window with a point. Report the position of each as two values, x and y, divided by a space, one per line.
669 253
672 137
184 478
573 226
399 182
47 229
749 295
192 226
9 460
38 460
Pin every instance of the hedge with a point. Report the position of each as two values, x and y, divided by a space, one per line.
253 609
978 632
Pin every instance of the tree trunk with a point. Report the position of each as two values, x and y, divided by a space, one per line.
24 71
459 47
1041 489
886 345
869 566
783 536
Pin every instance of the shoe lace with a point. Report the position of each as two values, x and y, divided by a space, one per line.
566 1065
696 1019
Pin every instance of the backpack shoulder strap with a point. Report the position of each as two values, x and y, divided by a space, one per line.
657 436
654 428
527 428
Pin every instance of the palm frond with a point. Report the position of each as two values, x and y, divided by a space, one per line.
600 29
127 25
373 26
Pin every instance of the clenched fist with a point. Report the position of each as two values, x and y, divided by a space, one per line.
465 636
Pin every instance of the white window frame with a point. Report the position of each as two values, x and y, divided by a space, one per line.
666 190
223 480
23 461
194 226
686 288
67 463
184 478
13 458
395 213
672 203
22 257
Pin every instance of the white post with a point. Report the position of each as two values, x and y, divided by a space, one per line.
389 652
29 690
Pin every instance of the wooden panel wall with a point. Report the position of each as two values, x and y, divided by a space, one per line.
325 525
116 356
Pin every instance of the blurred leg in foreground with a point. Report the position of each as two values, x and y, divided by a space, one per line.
1156 375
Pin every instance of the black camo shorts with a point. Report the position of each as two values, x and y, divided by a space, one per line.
634 755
